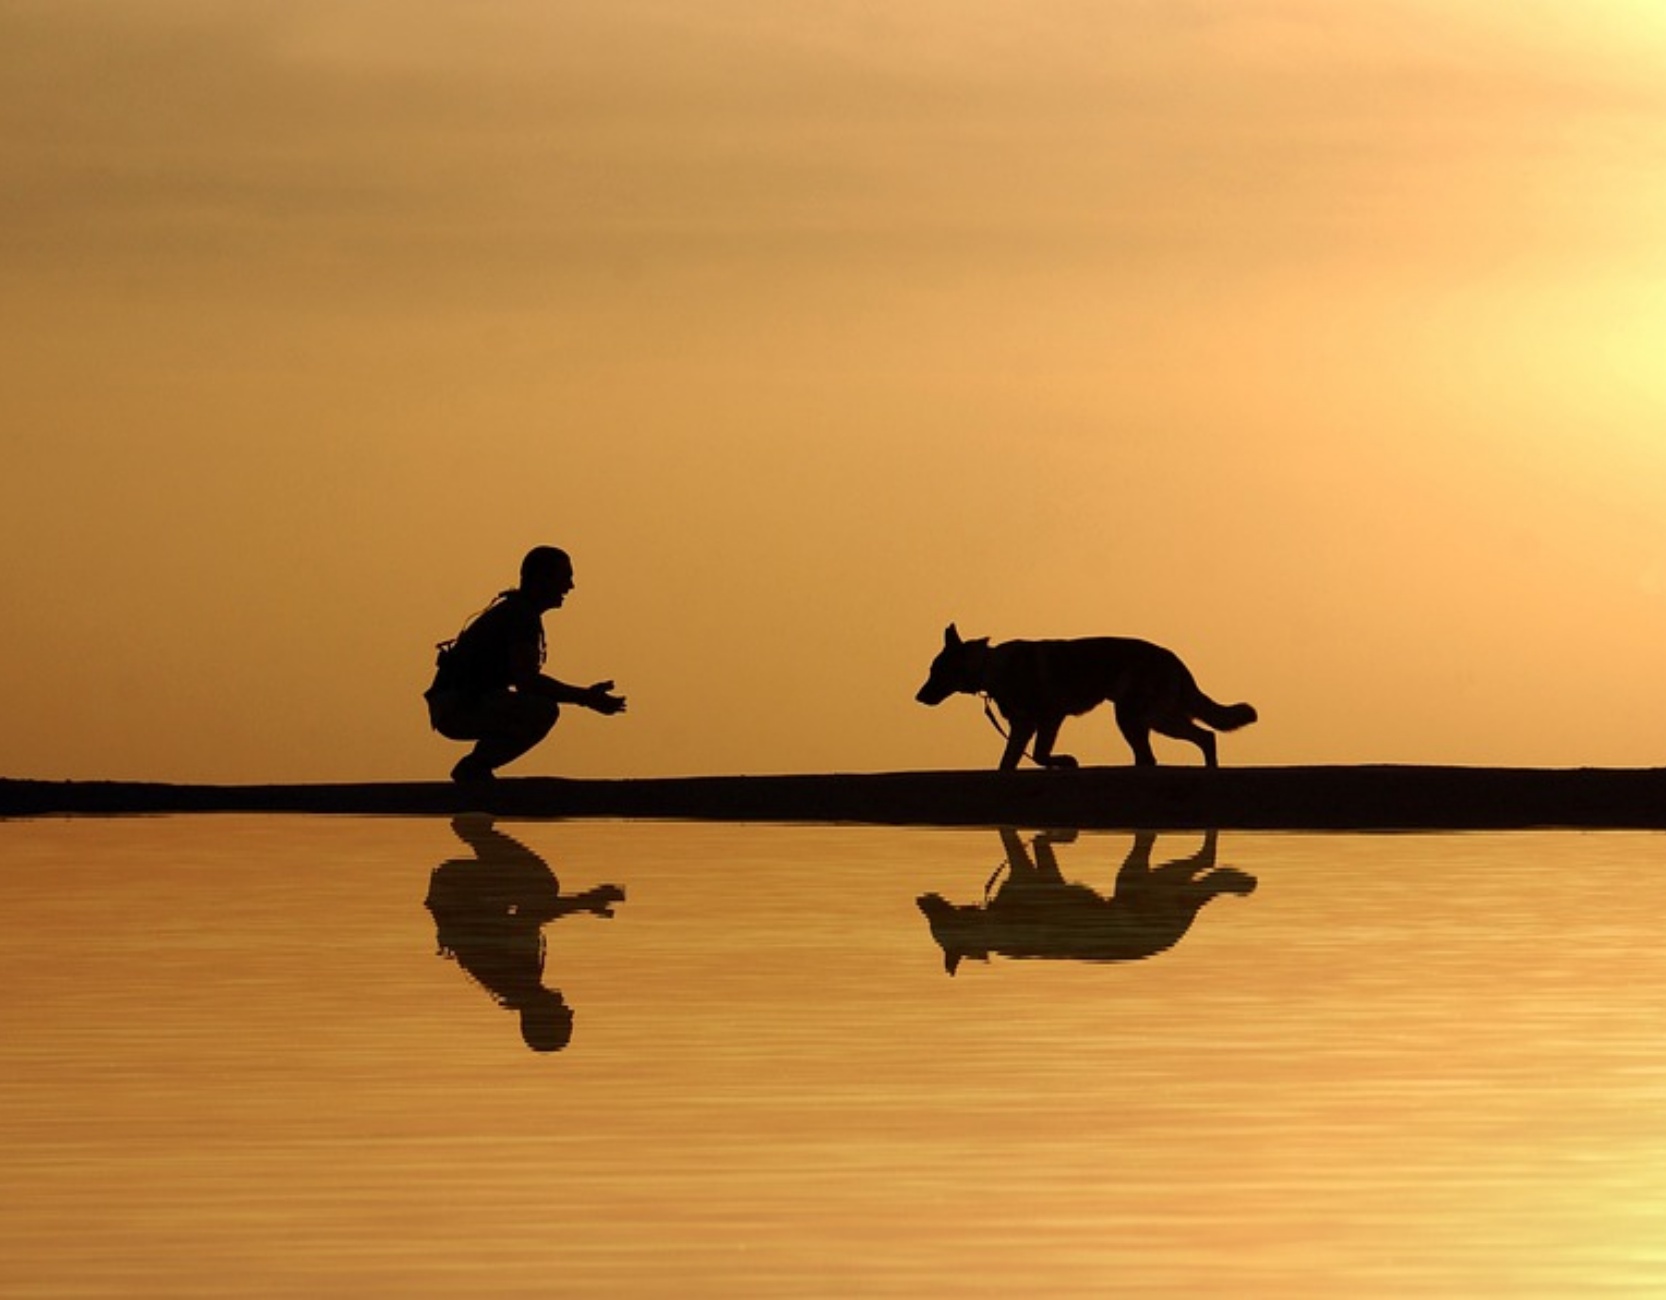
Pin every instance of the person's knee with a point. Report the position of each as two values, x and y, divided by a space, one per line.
541 715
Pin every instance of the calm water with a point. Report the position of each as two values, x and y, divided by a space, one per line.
236 1062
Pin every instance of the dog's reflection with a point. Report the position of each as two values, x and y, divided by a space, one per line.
489 913
1036 912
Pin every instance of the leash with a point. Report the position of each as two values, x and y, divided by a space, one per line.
989 712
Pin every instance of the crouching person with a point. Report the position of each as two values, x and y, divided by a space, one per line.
490 686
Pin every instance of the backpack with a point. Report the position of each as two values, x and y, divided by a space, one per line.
476 660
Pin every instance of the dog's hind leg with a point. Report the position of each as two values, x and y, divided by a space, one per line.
1137 732
1186 729
1187 870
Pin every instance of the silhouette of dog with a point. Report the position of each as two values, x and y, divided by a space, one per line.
1037 913
1038 684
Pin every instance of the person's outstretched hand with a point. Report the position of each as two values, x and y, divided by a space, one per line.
601 899
600 697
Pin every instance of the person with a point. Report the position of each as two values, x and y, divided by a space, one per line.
489 915
489 684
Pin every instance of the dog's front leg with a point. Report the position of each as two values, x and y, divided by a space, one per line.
1046 734
1017 741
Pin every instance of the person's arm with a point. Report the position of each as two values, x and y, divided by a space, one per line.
598 901
598 696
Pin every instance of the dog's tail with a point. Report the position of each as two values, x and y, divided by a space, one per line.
1224 717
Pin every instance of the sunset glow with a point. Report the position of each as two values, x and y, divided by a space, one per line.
1318 342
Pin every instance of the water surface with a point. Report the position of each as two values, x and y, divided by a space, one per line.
237 1061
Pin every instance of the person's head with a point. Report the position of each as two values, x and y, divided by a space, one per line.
547 575
546 1021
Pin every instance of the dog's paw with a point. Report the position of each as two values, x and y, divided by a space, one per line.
1061 760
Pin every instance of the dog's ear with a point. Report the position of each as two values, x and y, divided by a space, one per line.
951 637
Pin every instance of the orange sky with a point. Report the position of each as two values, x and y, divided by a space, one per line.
1317 341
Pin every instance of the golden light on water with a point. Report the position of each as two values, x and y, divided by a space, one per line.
1404 1064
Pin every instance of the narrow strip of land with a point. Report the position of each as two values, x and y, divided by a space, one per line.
1264 798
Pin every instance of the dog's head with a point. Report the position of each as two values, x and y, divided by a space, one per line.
959 930
958 667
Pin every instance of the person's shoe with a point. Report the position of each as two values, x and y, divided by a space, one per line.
471 771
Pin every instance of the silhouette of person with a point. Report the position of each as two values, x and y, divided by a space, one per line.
489 684
1036 912
489 916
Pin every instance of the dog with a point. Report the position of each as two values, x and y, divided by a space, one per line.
1038 684
1037 913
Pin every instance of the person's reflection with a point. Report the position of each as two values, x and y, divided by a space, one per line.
489 913
1036 912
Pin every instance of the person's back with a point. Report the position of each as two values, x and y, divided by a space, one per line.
489 685
481 659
